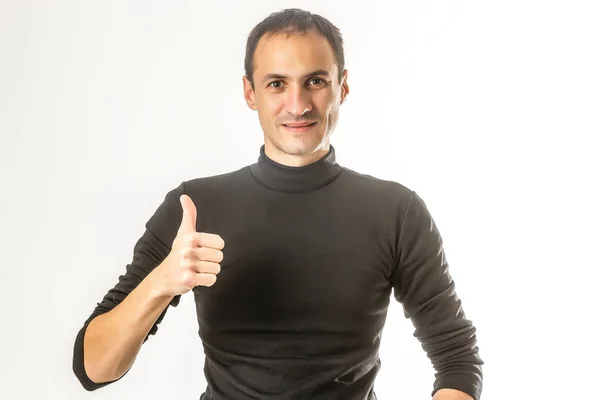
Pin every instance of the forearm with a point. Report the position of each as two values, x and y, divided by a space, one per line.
113 340
424 285
451 394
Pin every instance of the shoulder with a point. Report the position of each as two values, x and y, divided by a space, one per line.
206 185
376 186
216 182
202 190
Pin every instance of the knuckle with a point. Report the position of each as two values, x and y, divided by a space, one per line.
183 262
187 264
190 239
186 277
184 251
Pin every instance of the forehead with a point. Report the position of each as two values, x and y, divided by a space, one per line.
293 54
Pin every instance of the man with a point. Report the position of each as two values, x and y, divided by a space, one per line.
292 260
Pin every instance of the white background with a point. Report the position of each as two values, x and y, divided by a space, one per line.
489 110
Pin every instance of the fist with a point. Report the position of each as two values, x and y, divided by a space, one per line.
194 259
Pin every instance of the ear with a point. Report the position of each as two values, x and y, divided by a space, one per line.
344 86
249 93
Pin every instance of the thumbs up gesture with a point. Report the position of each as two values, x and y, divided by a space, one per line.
194 258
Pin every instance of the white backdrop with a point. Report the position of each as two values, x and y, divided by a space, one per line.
489 110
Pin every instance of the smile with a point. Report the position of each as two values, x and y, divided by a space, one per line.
298 127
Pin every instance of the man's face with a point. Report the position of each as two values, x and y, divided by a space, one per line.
297 94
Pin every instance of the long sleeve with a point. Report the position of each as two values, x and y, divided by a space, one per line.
149 251
423 285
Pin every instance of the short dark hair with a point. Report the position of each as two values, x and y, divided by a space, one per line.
294 20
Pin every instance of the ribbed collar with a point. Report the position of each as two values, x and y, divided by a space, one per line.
285 179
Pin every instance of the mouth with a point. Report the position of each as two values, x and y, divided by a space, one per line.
299 127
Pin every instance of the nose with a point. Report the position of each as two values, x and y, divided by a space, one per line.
297 101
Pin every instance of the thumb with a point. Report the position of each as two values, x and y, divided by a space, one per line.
188 219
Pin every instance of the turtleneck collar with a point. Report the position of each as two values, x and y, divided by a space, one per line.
285 179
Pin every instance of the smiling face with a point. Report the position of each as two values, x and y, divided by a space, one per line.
297 95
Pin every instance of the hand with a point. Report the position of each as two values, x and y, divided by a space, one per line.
194 258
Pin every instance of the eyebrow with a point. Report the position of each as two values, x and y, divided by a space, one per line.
279 76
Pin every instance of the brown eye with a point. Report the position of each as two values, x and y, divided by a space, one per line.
275 84
316 81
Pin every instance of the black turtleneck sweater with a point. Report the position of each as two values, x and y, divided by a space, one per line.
313 256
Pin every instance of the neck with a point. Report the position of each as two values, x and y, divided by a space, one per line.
296 179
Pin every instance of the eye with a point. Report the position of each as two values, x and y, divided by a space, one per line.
316 81
275 84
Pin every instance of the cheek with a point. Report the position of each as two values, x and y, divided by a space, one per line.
326 103
277 105
271 106
332 114
330 109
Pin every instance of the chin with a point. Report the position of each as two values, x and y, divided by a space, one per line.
295 149
298 144
301 147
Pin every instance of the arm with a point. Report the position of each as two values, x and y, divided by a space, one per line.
110 339
423 285
451 394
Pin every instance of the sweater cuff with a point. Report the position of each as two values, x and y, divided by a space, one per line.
463 383
78 365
